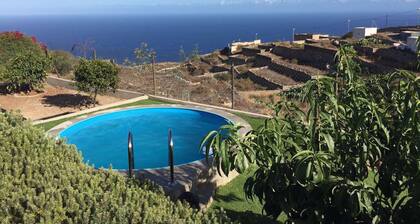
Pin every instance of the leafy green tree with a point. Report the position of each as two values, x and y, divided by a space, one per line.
63 62
43 180
96 76
351 157
26 72
144 56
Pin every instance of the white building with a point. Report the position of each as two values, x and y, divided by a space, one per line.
236 46
412 43
363 32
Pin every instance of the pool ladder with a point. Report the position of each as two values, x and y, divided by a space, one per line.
170 156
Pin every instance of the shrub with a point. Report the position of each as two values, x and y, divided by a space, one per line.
351 157
26 72
44 181
96 76
63 62
13 44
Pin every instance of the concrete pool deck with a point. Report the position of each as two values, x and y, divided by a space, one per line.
195 177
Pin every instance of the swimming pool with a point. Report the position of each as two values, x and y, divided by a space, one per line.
102 139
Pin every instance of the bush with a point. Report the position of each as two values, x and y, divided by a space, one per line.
96 76
13 44
26 72
63 62
44 181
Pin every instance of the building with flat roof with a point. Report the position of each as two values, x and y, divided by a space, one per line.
412 43
363 32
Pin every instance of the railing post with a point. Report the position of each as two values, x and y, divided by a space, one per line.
130 156
171 156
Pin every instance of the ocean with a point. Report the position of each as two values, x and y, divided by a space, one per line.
116 36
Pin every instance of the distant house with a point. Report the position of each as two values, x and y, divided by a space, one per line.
363 32
310 36
237 46
412 43
404 35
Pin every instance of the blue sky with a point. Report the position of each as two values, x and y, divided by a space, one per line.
15 7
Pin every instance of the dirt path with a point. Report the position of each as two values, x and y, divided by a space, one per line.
54 101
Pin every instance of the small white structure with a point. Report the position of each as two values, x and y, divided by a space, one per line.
363 32
236 46
412 43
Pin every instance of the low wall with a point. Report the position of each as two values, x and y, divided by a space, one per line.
292 71
403 59
250 52
365 51
299 73
318 55
261 80
262 60
313 55
219 68
68 84
288 52
237 60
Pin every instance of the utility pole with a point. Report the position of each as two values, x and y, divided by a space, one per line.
348 25
418 17
293 34
232 71
153 72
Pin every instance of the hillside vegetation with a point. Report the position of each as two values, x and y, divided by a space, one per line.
15 43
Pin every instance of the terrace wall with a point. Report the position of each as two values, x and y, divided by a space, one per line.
261 80
402 59
251 52
296 72
288 52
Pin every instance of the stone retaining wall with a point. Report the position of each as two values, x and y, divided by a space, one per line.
251 52
238 60
313 55
261 80
297 72
288 52
319 56
219 68
405 59
293 71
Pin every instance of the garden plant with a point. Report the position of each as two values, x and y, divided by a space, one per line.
353 156
96 77
43 180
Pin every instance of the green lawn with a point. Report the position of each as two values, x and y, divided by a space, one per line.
230 197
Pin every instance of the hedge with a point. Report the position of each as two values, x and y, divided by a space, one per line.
45 181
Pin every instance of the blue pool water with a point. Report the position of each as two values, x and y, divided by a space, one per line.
102 140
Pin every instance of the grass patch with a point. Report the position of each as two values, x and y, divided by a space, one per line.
231 198
253 121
